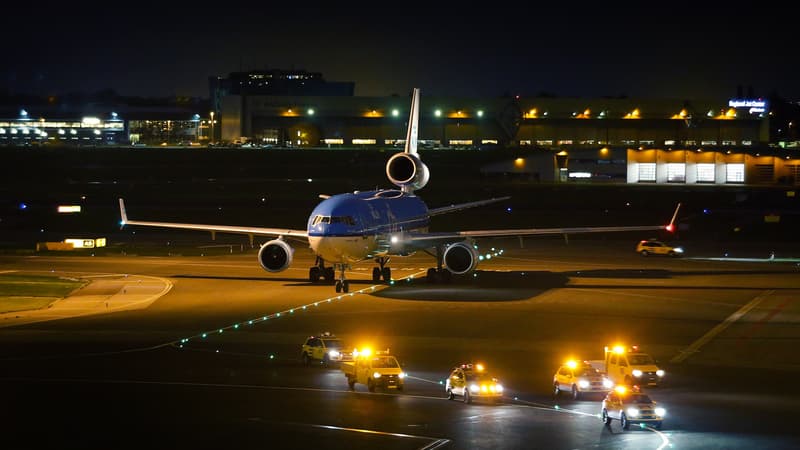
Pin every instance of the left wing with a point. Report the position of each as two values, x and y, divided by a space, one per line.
250 231
425 240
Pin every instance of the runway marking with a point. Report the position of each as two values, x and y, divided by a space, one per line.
664 439
8 271
693 348
437 442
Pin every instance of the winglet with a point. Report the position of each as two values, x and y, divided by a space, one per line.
122 213
413 123
671 226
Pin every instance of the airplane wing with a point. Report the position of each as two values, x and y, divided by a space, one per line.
454 208
250 231
426 240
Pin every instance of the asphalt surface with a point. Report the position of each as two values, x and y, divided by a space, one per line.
203 352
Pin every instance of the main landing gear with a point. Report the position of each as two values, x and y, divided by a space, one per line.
438 274
382 271
320 271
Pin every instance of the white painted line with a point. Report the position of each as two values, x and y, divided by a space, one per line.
693 348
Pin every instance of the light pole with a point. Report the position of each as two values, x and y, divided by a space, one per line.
211 139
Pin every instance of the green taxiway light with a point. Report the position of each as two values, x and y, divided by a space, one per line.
204 335
278 315
236 326
271 356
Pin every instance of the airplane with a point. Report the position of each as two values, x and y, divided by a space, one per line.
348 228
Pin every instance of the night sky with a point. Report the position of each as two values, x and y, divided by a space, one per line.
664 50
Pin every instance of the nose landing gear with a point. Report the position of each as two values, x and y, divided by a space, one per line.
342 285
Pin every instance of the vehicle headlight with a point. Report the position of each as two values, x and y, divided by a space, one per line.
401 375
474 388
637 373
376 375
333 354
661 412
633 412
678 250
660 372
583 384
498 388
608 384
484 388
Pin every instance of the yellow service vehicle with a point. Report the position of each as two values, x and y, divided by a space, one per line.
470 381
325 349
631 366
375 370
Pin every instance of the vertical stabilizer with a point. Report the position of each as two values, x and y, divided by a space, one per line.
413 123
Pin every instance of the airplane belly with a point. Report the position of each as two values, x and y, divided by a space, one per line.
342 249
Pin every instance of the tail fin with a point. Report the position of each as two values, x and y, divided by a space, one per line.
413 123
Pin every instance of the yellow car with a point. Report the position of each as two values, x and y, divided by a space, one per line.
470 381
325 349
655 247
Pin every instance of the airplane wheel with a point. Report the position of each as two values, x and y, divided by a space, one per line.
338 286
329 274
432 277
376 274
445 276
313 274
386 272
345 286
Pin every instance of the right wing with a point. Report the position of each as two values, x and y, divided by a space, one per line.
250 231
425 240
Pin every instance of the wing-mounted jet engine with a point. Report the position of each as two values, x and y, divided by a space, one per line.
460 258
275 256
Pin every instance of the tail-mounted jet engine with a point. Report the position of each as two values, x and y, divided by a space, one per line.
460 258
406 170
275 255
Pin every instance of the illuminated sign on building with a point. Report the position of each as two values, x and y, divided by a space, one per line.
755 106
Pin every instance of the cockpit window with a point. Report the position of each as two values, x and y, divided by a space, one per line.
347 220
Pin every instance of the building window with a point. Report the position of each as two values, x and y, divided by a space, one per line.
333 141
669 142
647 171
364 141
705 173
676 172
525 142
734 173
544 142
708 142
747 142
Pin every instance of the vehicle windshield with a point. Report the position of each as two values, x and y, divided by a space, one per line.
333 343
483 376
588 372
640 360
639 398
384 362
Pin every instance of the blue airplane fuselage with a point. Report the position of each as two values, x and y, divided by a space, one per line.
354 226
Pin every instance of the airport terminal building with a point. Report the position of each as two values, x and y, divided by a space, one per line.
603 139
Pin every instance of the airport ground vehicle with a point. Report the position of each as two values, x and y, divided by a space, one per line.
629 366
656 247
629 406
324 348
472 381
375 370
580 378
